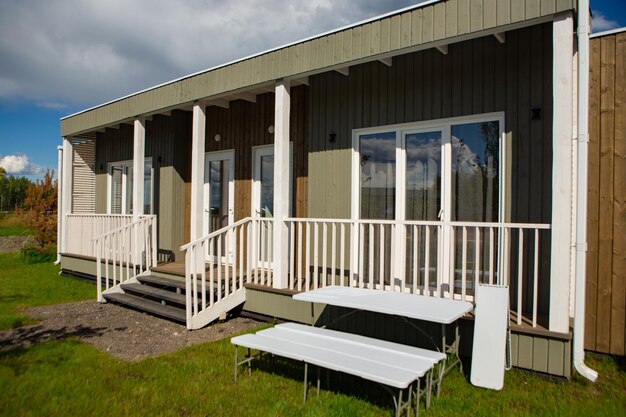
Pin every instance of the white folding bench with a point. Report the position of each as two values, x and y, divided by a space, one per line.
390 364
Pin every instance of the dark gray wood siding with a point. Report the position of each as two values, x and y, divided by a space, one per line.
476 76
168 140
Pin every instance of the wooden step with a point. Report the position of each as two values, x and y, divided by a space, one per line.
148 306
162 281
170 297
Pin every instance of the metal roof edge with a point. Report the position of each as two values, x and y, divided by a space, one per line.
349 26
608 32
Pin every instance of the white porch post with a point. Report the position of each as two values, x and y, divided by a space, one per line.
562 138
197 169
66 196
281 183
139 159
59 201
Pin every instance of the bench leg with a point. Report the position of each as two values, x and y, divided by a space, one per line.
418 396
442 369
318 381
250 362
236 361
306 371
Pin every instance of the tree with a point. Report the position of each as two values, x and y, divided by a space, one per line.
3 173
39 211
13 191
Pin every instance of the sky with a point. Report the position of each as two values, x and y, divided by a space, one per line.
58 57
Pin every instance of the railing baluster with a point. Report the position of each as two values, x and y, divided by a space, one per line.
370 269
241 256
520 262
188 299
307 263
211 245
452 266
491 256
300 253
478 244
536 278
226 265
315 254
194 279
415 251
323 278
381 254
333 250
218 264
427 263
464 264
361 257
203 251
292 256
342 255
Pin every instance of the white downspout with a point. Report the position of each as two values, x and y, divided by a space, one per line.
581 203
59 202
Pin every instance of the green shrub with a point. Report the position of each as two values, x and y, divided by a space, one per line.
35 254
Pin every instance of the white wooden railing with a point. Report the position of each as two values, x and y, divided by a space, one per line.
219 264
83 228
409 256
125 252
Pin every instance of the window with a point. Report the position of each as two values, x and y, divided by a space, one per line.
447 170
120 190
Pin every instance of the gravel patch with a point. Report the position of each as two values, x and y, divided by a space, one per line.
13 243
127 334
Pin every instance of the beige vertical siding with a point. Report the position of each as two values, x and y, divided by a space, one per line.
84 177
410 29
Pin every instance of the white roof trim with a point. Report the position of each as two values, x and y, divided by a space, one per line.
362 22
608 32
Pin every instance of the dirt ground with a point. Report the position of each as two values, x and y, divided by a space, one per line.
121 332
12 243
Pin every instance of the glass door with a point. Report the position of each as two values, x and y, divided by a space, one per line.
423 197
263 198
219 198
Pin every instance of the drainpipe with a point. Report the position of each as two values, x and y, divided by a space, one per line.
59 202
581 204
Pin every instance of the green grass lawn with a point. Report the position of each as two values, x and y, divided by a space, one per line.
67 378
24 285
11 225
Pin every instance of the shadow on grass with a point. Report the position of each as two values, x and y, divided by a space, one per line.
27 336
330 381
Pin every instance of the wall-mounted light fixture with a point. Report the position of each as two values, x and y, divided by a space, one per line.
535 113
217 137
270 129
159 159
332 137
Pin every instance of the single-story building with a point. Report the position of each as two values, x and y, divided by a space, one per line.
426 150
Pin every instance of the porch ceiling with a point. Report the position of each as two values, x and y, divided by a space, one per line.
422 26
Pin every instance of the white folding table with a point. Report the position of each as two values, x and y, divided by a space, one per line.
433 309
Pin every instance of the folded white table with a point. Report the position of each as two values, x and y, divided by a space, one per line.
433 309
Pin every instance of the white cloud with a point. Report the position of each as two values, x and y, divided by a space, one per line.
51 105
90 51
20 165
600 23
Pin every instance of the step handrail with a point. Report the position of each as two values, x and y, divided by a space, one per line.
215 233
118 229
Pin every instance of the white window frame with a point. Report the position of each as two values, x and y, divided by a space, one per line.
125 194
445 126
257 152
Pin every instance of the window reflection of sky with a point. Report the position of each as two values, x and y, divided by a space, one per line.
267 185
